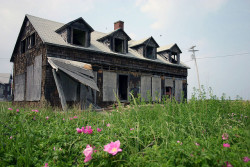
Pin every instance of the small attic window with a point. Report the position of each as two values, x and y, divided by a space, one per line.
32 40
23 46
150 52
79 37
119 45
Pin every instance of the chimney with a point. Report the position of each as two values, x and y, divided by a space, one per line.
118 24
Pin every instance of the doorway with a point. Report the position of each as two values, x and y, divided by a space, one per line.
123 87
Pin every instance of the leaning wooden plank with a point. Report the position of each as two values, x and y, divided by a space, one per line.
60 90
84 80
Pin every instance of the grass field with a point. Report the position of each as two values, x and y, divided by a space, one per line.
198 133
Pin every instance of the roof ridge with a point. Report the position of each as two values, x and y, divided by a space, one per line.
28 15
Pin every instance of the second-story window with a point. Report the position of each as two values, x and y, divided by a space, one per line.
119 45
79 37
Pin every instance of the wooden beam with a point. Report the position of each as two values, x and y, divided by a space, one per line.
60 90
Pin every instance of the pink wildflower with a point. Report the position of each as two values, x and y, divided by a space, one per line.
88 152
226 145
246 159
70 118
88 130
17 110
113 147
10 109
11 137
54 148
63 119
79 130
197 144
228 164
132 128
224 136
75 117
47 117
35 110
179 142
108 125
46 165
99 130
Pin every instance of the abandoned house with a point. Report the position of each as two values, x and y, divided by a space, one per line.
5 86
64 64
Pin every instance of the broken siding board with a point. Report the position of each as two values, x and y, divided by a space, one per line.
30 83
19 87
178 89
36 95
109 86
69 87
156 88
146 87
95 79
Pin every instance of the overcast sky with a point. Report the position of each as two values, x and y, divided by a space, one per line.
216 27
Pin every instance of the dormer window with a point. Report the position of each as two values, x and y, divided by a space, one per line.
79 37
170 53
117 40
145 47
76 32
119 45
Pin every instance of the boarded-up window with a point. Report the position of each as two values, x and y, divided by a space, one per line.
19 87
178 89
156 88
30 83
37 78
146 87
34 79
109 86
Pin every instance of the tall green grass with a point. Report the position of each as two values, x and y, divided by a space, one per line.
148 133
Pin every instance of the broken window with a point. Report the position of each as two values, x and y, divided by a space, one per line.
23 46
149 52
119 45
123 87
174 58
79 37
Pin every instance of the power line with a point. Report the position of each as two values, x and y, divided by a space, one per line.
231 55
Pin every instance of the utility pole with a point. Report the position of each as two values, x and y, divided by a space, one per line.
194 58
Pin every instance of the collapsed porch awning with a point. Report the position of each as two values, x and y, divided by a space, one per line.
81 72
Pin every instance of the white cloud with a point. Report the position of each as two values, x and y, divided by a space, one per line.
167 12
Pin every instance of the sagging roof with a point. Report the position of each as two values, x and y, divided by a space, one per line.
80 19
81 72
5 78
111 33
142 41
46 29
168 47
